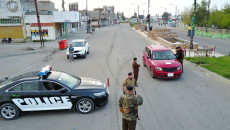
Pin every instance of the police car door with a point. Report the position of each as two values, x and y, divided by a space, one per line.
26 96
55 95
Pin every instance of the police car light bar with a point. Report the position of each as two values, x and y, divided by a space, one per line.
44 71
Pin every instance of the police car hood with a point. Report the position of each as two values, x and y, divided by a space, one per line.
167 63
91 83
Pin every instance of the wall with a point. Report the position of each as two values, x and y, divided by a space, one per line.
5 11
33 19
15 32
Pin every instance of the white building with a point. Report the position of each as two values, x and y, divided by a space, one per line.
54 24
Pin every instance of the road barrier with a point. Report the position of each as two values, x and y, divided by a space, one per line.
212 35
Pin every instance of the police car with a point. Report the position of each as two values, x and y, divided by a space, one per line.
50 90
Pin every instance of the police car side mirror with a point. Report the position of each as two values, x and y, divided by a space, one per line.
63 90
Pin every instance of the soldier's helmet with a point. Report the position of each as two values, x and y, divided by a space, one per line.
129 88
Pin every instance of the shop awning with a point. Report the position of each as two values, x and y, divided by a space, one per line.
42 24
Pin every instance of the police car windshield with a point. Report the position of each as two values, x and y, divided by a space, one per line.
68 80
77 44
163 55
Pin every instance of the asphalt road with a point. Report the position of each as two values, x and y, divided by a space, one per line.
199 100
222 45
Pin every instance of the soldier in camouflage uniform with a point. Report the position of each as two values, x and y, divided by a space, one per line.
128 105
128 81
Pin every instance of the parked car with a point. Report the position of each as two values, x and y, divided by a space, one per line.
50 90
81 48
161 62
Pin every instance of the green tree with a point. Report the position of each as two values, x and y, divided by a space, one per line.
201 13
166 16
122 16
226 8
216 17
134 16
186 15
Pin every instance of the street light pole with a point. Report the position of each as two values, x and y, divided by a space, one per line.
175 13
209 1
148 15
138 10
193 27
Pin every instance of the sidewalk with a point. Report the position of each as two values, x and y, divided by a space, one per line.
14 49
188 52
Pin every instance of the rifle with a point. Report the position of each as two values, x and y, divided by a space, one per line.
132 110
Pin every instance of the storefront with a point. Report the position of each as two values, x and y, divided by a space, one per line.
48 31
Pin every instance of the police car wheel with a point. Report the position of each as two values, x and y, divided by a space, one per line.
85 105
9 111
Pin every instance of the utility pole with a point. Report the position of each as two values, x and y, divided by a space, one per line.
138 10
193 27
175 13
209 1
63 5
39 25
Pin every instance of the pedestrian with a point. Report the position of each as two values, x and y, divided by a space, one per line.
9 40
135 70
128 105
71 51
130 81
4 40
180 56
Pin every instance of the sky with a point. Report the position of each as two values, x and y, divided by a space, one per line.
129 6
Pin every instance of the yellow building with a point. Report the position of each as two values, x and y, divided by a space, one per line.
11 19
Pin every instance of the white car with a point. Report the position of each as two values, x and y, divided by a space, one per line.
81 48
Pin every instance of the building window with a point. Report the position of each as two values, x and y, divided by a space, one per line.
10 21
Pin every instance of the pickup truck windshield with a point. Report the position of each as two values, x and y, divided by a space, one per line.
163 55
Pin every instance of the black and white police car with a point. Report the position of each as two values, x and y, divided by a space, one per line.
50 90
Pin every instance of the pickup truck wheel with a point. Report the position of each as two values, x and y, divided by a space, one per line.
9 111
152 73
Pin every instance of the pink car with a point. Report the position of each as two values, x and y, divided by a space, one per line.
161 62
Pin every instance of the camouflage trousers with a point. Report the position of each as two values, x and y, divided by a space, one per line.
128 125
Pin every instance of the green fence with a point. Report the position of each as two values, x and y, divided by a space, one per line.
212 35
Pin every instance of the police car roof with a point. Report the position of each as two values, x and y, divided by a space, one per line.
33 75
53 75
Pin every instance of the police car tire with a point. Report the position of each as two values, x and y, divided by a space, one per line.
17 112
86 100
